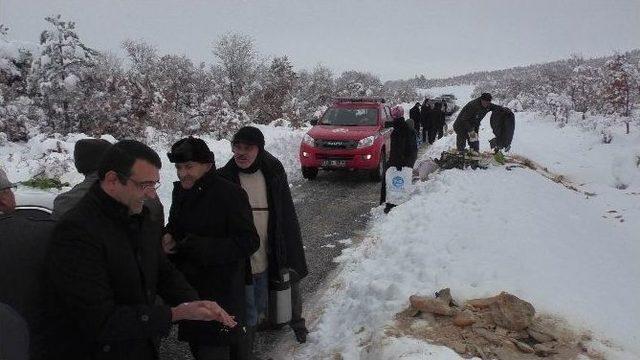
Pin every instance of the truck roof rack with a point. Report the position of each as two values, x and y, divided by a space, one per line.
353 100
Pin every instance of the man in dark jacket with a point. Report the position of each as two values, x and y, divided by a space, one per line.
211 226
86 156
424 119
105 267
23 284
435 122
401 154
467 123
503 125
414 114
439 120
281 250
14 336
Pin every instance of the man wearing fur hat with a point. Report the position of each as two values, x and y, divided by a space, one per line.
264 179
210 237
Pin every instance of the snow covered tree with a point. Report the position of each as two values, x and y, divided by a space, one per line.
217 117
18 112
108 110
559 105
618 85
60 74
584 88
276 91
176 77
314 91
236 65
142 78
399 91
356 84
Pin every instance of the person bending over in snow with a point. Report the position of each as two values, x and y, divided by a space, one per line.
503 126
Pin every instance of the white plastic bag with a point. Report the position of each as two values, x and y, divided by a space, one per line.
398 184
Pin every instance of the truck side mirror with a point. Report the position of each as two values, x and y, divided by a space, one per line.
313 122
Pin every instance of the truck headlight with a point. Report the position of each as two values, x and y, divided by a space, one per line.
306 139
366 142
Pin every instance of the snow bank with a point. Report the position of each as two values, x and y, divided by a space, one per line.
486 231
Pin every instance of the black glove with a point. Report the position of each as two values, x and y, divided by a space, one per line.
493 143
507 148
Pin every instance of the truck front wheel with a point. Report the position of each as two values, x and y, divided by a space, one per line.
378 173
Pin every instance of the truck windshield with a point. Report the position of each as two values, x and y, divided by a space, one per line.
350 117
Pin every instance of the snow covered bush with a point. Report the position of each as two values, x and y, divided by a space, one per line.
559 105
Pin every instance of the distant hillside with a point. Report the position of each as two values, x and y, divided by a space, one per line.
519 71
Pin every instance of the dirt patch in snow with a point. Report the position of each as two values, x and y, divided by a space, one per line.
499 327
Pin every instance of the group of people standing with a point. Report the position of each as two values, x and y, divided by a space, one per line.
404 147
430 117
232 233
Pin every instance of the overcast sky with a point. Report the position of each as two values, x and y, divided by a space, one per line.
393 39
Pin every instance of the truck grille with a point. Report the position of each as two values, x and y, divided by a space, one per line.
336 144
334 157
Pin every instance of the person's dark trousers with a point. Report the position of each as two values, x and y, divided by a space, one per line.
432 135
461 141
424 134
241 351
297 321
440 132
383 188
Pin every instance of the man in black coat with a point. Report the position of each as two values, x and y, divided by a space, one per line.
25 238
105 267
468 121
402 152
424 119
211 236
439 119
281 249
414 114
503 125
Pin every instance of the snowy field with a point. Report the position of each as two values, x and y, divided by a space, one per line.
485 231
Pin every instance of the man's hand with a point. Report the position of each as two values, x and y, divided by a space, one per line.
203 310
168 244
506 149
473 136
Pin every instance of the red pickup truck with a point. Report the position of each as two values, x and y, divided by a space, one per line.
352 134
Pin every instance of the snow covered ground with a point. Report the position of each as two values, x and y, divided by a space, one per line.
485 231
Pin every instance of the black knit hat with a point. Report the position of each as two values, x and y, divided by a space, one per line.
87 154
485 97
249 135
191 149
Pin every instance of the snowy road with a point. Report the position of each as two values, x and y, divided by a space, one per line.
332 211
